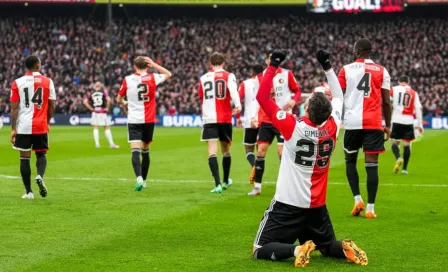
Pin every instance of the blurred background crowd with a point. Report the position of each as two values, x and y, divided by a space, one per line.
75 53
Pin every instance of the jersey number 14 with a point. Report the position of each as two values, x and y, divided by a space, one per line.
36 99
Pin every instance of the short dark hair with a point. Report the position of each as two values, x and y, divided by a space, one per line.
217 59
258 69
363 46
31 62
140 63
319 108
404 79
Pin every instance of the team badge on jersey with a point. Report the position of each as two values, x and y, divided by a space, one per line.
281 115
281 81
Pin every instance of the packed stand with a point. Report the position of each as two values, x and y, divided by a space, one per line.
74 53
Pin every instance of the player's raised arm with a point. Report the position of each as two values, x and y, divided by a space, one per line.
233 89
282 120
386 104
160 69
337 100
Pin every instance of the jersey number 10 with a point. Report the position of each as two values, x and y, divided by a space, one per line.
404 99
36 99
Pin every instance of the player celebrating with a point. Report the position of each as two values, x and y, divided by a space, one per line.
248 90
298 210
217 89
98 103
366 100
284 84
406 103
32 100
140 90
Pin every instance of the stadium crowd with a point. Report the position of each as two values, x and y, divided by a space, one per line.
75 53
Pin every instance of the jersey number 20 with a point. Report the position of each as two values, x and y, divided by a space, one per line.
220 89
36 99
307 150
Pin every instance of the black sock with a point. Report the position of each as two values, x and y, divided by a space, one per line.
250 158
372 181
226 162
41 163
136 162
334 250
213 164
352 176
25 171
146 161
275 251
406 157
396 151
259 169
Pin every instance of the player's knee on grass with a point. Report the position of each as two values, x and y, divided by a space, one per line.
275 251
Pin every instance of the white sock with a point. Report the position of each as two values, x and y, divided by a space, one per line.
370 207
139 179
358 198
258 186
296 251
96 136
109 136
1 122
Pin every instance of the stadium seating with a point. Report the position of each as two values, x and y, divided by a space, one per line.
74 53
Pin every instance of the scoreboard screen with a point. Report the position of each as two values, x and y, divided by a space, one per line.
355 6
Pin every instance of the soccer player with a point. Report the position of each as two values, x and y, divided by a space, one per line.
406 103
248 90
217 90
140 90
366 101
298 210
284 85
99 103
33 98
3 110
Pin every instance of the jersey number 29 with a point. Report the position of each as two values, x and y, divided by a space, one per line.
307 150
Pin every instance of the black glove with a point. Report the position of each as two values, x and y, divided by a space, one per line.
324 59
277 57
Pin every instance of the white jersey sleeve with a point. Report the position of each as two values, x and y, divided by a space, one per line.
337 101
52 91
386 80
418 110
159 78
233 89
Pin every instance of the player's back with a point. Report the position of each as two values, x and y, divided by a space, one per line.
405 101
99 101
249 89
32 91
363 81
214 89
140 90
305 164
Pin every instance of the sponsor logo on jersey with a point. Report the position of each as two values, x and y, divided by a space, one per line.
281 115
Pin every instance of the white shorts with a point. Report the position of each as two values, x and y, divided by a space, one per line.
100 119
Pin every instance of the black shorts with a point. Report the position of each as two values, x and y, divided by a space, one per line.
221 131
140 132
402 132
284 223
250 136
267 133
371 141
35 142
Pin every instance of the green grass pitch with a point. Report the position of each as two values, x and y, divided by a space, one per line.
92 220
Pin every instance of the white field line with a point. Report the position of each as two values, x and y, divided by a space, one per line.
210 181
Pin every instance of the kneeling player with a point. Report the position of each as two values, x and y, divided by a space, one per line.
298 210
98 103
406 103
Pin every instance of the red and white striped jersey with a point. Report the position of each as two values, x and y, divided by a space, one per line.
32 91
325 89
363 81
406 104
140 90
284 85
217 89
303 175
248 92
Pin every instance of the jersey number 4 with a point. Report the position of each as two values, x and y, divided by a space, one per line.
306 156
364 84
36 99
220 89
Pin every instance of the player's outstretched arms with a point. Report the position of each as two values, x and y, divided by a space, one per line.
336 91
